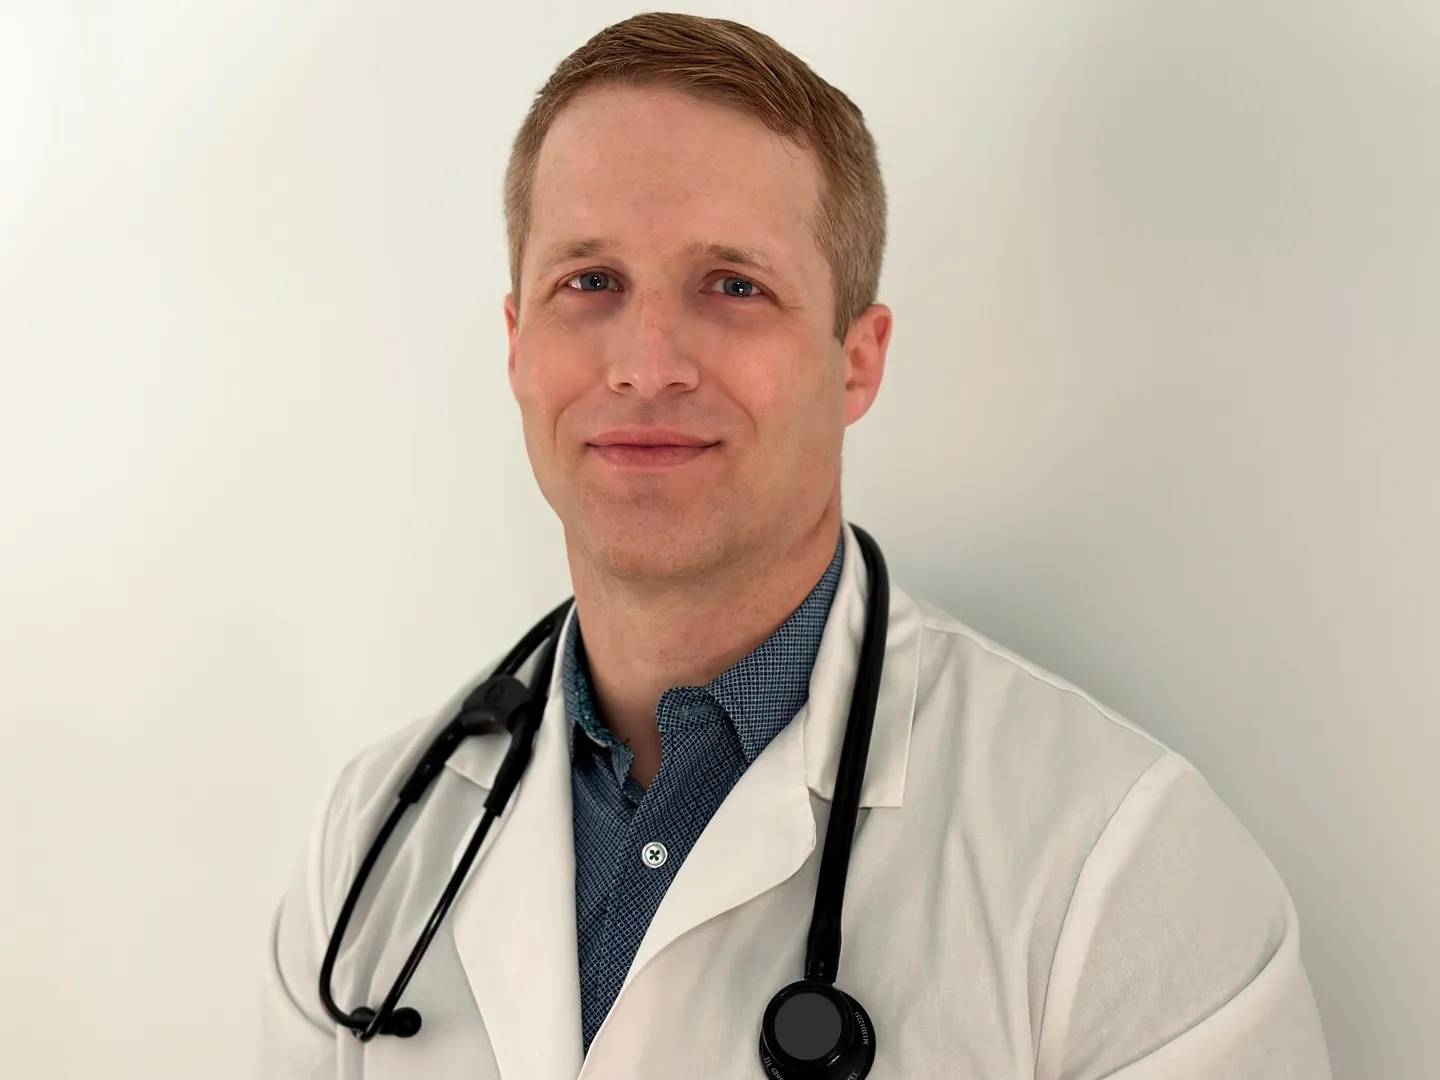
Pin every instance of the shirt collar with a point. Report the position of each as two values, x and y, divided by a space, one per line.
758 695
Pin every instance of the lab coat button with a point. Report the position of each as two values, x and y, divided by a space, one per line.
654 854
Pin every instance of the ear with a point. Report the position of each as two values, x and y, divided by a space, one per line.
512 321
865 346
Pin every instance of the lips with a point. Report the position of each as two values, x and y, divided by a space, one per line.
650 436
632 456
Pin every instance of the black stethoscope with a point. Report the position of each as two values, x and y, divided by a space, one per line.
810 1030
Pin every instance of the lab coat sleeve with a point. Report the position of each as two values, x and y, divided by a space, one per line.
1179 955
297 1035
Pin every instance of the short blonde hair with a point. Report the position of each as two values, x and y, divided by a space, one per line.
731 64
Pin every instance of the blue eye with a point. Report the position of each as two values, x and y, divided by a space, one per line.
743 281
589 276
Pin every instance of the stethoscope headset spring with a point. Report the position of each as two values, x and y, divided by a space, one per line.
811 1030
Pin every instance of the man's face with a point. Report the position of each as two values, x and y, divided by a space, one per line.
650 331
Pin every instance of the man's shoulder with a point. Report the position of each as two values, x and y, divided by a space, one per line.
1020 718
1035 767
1078 811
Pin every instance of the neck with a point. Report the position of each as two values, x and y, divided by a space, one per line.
641 638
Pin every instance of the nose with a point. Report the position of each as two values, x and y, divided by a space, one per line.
648 355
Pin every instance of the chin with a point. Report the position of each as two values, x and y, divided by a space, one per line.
634 541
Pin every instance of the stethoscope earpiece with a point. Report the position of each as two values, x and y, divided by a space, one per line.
813 1031
403 1022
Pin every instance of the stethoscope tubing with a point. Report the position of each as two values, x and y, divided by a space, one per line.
486 709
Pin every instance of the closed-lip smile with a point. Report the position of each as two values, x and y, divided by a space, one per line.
650 436
655 457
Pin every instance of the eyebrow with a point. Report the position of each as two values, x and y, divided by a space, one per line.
753 257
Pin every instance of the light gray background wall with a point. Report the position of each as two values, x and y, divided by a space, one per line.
1159 414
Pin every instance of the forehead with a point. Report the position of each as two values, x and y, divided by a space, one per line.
657 170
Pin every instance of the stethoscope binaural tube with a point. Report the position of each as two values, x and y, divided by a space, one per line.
811 1030
502 702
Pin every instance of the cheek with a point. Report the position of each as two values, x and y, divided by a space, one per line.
788 413
548 375
783 376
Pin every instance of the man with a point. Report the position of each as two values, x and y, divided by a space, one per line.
1036 888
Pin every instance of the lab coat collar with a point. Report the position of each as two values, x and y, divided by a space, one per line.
514 922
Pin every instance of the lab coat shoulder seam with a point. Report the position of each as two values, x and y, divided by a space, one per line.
317 925
321 866
281 980
1134 810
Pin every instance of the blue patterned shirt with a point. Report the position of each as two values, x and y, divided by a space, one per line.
630 841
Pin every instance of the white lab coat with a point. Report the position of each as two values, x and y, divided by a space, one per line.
1037 888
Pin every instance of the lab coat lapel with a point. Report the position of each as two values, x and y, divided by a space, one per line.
765 829
761 834
514 919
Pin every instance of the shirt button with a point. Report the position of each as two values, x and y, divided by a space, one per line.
654 854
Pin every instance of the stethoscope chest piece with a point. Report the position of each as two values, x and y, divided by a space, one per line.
812 1031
